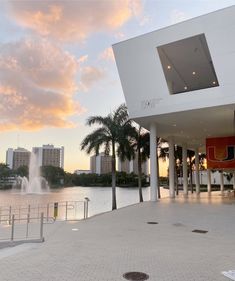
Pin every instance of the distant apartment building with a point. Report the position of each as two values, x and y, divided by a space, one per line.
16 158
48 155
101 164
79 172
132 166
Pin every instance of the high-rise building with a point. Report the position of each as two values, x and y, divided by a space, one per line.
48 155
16 158
101 164
132 166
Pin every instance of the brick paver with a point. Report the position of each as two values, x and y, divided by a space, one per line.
108 245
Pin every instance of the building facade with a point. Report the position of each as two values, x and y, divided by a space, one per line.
48 155
132 166
16 158
178 83
101 164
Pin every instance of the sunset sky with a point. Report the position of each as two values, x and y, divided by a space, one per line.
57 66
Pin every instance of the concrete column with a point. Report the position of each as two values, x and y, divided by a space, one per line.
197 182
185 169
209 181
234 180
222 182
153 162
171 168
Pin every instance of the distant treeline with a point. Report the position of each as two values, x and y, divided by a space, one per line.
57 177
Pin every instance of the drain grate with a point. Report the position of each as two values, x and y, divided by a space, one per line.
200 231
152 222
136 276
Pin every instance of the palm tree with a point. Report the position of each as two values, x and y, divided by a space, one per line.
112 135
140 141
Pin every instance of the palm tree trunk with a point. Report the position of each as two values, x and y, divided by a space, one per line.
140 176
114 201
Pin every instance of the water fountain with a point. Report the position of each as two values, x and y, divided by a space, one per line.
36 183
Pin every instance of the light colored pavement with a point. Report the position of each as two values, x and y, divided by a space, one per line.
106 246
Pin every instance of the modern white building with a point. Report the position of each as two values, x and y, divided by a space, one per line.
178 83
48 155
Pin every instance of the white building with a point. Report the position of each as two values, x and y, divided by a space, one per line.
48 155
16 158
101 164
79 172
178 83
132 166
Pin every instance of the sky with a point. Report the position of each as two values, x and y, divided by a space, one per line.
57 67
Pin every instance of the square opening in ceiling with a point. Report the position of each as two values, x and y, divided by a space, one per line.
187 65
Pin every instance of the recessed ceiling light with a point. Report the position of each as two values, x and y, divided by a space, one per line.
214 82
185 87
174 125
168 67
194 73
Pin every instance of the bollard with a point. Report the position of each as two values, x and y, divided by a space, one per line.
86 210
12 227
66 210
55 210
41 227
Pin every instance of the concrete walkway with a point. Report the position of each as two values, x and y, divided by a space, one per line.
106 246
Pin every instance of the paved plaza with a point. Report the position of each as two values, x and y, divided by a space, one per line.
106 246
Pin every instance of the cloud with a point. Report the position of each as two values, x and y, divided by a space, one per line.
89 76
37 85
73 20
178 16
107 55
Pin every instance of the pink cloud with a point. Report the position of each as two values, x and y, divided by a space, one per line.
73 20
89 76
107 54
37 85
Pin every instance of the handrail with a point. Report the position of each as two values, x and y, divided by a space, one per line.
59 209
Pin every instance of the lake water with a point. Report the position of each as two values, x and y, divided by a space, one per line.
100 197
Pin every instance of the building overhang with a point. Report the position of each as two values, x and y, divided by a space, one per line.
182 78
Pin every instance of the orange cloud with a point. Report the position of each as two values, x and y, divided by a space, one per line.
37 85
73 20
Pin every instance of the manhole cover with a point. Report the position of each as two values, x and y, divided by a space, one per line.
200 231
152 222
136 276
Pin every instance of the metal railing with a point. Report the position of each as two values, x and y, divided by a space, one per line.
63 210
24 218
23 234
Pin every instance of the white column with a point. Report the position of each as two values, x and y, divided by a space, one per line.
197 182
234 180
209 181
171 169
185 169
153 162
222 182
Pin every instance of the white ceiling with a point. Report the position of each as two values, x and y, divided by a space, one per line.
194 126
